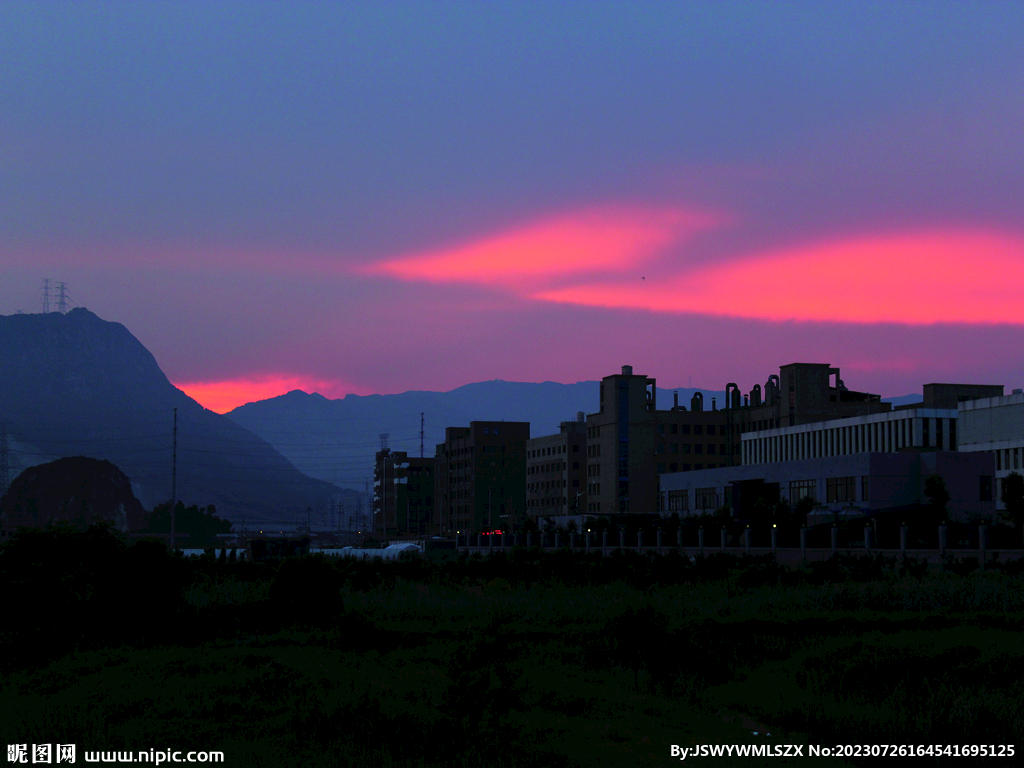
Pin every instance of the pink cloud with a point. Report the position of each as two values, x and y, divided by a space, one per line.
228 394
946 276
586 242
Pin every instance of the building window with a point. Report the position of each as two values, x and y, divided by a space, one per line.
673 467
706 498
711 449
673 429
678 501
839 490
661 468
985 488
659 448
686 429
673 448
686 447
802 489
698 429
865 494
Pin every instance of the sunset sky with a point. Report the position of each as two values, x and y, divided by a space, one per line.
378 197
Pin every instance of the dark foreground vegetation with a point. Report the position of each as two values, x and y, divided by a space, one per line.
529 659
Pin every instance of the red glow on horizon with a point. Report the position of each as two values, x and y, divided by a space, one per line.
587 242
955 277
226 395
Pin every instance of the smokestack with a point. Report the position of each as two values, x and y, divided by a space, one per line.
675 399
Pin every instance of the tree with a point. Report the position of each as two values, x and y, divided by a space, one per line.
200 524
804 507
1013 498
937 495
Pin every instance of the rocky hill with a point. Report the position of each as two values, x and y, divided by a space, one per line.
74 490
77 385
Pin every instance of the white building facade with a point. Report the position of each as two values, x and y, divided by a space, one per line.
908 429
995 425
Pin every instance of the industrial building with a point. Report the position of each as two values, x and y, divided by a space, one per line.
631 443
556 471
403 499
480 476
847 484
995 425
866 463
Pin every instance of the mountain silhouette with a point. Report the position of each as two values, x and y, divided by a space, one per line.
76 385
335 440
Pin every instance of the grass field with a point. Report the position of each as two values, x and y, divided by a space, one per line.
529 660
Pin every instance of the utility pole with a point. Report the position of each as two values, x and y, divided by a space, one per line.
62 304
46 295
174 476
5 477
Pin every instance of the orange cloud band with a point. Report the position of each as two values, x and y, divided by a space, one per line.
582 243
953 276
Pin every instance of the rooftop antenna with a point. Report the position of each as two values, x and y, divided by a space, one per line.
421 434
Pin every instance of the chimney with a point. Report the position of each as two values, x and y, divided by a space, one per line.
581 416
675 400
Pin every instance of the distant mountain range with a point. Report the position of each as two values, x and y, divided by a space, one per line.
75 385
335 440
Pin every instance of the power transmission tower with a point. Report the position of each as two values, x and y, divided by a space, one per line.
5 477
46 295
62 304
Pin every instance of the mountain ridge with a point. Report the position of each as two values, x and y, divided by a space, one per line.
75 384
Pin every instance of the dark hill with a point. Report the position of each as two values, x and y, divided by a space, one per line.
74 490
75 385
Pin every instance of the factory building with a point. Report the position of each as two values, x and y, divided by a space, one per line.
556 471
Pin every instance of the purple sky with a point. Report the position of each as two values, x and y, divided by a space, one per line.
380 197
